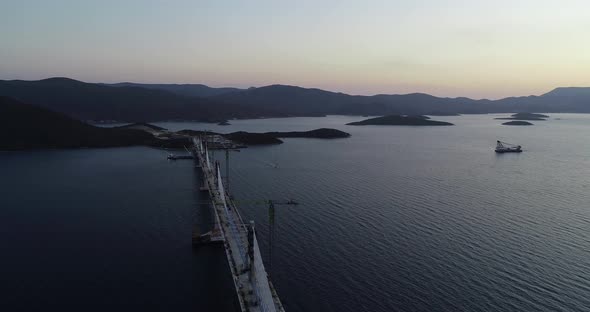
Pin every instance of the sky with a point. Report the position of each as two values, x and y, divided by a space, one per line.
478 49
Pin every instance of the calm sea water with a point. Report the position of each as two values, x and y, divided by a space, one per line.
392 219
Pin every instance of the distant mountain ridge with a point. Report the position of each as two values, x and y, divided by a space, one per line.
97 102
198 90
295 100
291 100
316 102
569 91
146 102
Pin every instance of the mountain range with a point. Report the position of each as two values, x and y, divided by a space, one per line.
131 102
199 90
97 102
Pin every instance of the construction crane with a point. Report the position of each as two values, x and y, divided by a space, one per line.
271 220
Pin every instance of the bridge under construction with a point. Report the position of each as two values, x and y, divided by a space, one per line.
254 290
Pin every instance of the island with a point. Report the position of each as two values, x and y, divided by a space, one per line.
524 116
223 123
400 120
322 133
517 123
273 137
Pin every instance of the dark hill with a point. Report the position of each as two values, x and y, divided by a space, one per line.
290 100
24 126
88 101
193 90
396 120
140 102
569 92
299 101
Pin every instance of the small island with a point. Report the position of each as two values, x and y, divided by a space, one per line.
223 123
322 133
517 123
524 116
400 120
248 138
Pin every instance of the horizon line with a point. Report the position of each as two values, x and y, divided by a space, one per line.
295 86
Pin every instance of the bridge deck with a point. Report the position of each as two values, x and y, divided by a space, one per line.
254 290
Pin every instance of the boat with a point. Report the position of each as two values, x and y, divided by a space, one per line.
503 147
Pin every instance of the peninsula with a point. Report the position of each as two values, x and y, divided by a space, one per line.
24 126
